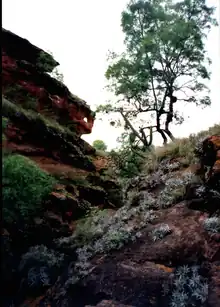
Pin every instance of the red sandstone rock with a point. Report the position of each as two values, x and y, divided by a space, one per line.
142 273
53 98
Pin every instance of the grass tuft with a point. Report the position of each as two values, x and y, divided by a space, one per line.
182 149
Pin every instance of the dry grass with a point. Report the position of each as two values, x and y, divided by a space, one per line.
181 149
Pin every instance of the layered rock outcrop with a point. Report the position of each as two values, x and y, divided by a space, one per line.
25 76
154 251
43 122
155 244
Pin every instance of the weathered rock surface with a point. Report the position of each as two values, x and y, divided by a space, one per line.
173 262
207 195
44 121
160 248
144 273
25 76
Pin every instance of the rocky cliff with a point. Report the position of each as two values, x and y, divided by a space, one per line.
74 237
51 177
25 76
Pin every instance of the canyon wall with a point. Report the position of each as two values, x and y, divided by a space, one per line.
25 75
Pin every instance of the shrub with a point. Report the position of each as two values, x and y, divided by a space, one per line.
41 266
212 224
181 148
174 190
99 145
46 62
24 187
190 288
106 233
128 162
91 226
160 232
40 254
38 277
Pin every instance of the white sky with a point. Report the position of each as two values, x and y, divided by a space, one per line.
80 33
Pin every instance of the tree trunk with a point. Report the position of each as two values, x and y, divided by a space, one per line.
161 130
163 136
145 143
169 133
169 117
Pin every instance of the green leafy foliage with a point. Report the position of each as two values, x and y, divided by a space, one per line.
164 65
24 187
46 62
99 145
89 227
129 159
128 163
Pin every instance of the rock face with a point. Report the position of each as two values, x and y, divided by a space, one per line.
210 158
30 134
27 67
43 122
174 257
207 195
156 244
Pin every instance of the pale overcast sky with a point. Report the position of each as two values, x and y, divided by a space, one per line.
80 33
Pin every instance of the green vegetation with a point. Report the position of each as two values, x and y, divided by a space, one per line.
25 186
164 65
9 110
181 149
99 145
132 161
189 287
212 224
128 159
46 62
127 162
21 96
88 228
160 232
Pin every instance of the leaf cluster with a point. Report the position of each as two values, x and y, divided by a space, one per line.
25 186
164 61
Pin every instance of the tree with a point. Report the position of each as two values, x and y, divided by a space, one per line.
164 63
128 159
99 145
